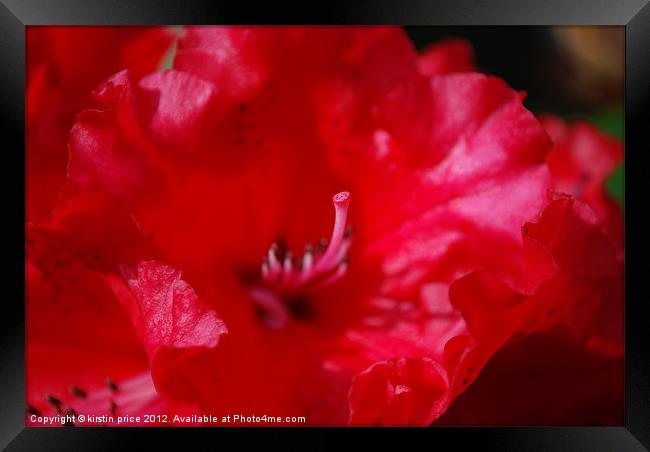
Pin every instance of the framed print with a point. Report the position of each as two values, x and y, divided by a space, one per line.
255 223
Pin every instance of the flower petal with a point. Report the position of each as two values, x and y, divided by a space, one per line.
447 56
400 391
64 64
578 288
581 161
172 322
77 332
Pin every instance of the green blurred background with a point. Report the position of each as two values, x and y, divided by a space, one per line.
573 72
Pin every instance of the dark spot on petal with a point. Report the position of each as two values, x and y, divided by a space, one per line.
111 385
242 107
33 410
53 401
113 408
465 381
71 412
77 392
549 312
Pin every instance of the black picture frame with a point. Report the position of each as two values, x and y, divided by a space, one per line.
634 15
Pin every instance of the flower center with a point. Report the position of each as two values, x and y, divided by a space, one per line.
287 280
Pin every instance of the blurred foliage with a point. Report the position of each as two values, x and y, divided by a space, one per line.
616 184
609 121
612 122
168 61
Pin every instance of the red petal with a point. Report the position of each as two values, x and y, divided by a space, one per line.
581 161
64 64
583 294
589 272
172 322
489 183
177 106
77 332
447 56
235 59
110 151
400 391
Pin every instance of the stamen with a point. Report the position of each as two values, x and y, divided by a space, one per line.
274 264
287 267
307 260
333 277
320 266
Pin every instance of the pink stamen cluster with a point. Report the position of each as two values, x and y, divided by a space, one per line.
283 275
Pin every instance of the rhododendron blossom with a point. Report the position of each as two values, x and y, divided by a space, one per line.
317 222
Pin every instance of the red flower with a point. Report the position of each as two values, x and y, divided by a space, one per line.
64 64
228 162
